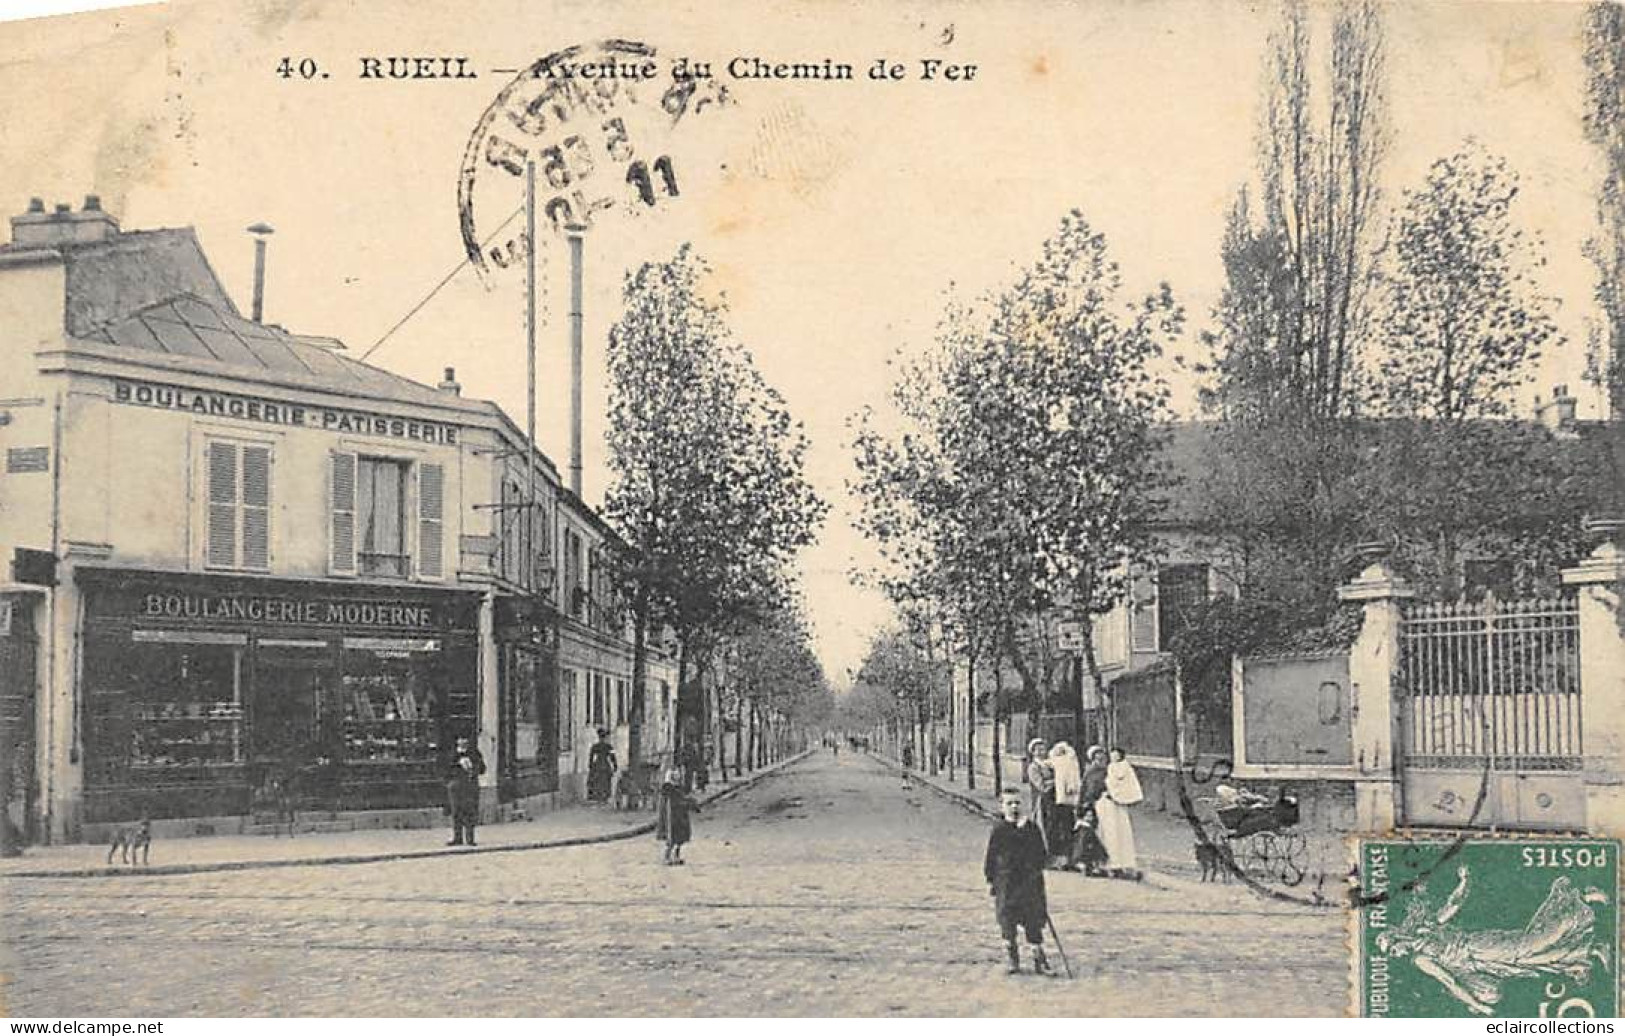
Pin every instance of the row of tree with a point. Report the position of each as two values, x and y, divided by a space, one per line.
710 499
1361 368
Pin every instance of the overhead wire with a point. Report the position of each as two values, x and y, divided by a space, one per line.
455 270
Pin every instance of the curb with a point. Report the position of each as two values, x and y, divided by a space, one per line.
963 799
174 869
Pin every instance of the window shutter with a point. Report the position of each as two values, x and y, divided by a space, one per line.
343 513
431 520
222 520
1143 613
256 507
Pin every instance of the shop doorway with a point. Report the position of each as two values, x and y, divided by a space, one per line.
292 765
18 821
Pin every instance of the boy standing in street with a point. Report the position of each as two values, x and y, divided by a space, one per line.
1014 869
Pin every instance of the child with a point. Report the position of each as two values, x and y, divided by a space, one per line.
672 823
1014 869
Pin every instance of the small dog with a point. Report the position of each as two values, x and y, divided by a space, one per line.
628 793
1212 859
131 839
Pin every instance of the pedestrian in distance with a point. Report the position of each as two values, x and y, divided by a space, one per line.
601 767
672 823
1014 869
463 791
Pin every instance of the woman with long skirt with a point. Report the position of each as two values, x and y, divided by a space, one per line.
1116 826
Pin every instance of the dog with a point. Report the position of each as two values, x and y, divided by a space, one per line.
628 791
130 839
1213 860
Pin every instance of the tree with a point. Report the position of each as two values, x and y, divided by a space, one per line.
709 490
1605 127
1464 324
1298 271
1030 472
1274 500
776 673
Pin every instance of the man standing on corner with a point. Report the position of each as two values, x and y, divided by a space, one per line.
463 791
1014 869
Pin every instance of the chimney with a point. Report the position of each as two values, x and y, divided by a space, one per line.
260 231
449 382
1558 416
37 228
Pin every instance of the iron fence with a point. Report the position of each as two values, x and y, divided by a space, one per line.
1493 684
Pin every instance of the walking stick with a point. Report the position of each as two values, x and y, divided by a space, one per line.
1053 934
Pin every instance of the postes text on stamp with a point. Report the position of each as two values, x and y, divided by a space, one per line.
1503 928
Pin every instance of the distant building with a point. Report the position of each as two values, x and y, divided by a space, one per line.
247 568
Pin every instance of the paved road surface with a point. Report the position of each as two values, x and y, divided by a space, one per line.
829 889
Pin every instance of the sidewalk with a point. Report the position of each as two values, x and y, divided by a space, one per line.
573 825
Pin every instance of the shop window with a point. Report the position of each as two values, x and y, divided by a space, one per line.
239 505
387 697
567 706
524 675
165 701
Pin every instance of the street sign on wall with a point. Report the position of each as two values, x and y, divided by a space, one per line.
1069 636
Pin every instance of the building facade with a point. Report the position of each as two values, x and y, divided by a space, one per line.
249 572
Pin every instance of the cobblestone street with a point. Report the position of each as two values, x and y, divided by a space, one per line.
827 889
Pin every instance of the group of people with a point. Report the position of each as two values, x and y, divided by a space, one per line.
1083 811
1079 820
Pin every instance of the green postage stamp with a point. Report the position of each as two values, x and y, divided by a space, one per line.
1489 928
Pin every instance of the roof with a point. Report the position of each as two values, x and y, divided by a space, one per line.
1194 452
189 325
154 290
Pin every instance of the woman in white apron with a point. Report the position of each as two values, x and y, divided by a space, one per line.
1116 827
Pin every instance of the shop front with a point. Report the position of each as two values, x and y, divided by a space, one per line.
217 696
526 631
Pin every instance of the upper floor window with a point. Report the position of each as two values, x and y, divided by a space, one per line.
239 507
371 528
381 516
575 594
1161 605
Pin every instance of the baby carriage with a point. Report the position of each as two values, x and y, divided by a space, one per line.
1258 833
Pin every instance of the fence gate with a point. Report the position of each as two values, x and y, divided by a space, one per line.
1488 700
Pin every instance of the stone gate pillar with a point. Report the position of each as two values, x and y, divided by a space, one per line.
1599 580
1372 661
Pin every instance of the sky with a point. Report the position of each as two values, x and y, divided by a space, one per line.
835 214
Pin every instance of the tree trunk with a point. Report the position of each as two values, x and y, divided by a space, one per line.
1094 677
998 695
640 676
739 734
970 723
750 740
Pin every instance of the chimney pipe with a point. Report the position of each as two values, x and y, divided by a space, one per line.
574 232
449 382
260 231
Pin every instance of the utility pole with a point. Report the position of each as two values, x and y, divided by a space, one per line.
529 510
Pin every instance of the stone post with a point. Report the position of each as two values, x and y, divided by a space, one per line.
1372 660
1598 580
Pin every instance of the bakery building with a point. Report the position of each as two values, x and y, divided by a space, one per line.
245 568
